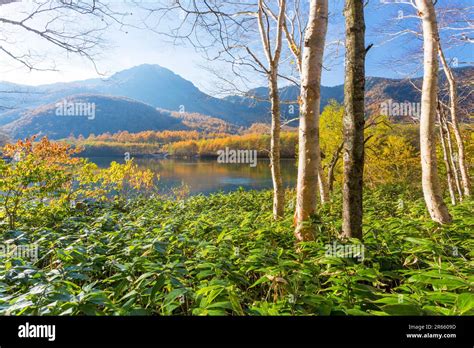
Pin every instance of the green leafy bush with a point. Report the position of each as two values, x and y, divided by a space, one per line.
224 255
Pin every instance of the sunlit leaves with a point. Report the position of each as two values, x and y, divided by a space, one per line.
224 255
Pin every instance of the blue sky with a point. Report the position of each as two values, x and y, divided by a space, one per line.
397 58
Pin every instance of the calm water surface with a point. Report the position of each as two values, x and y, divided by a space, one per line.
207 176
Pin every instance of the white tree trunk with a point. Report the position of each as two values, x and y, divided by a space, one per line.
453 162
273 59
278 190
453 100
447 163
309 153
292 39
450 151
430 180
323 185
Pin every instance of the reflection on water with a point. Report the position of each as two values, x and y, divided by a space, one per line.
207 176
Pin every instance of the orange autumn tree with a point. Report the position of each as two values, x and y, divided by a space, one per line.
37 171
45 172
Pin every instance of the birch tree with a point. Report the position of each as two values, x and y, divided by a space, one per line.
453 103
309 154
430 179
447 154
225 32
454 28
273 60
294 28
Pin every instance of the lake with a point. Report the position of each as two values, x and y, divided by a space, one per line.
207 175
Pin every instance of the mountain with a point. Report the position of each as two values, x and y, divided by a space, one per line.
379 91
288 96
149 84
138 99
96 115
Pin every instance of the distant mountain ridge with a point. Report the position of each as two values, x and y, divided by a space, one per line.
140 97
379 90
111 114
149 84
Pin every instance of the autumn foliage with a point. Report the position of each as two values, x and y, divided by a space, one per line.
48 173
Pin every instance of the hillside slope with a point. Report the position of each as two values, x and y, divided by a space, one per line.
112 114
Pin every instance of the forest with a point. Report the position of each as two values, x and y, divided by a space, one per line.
380 220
